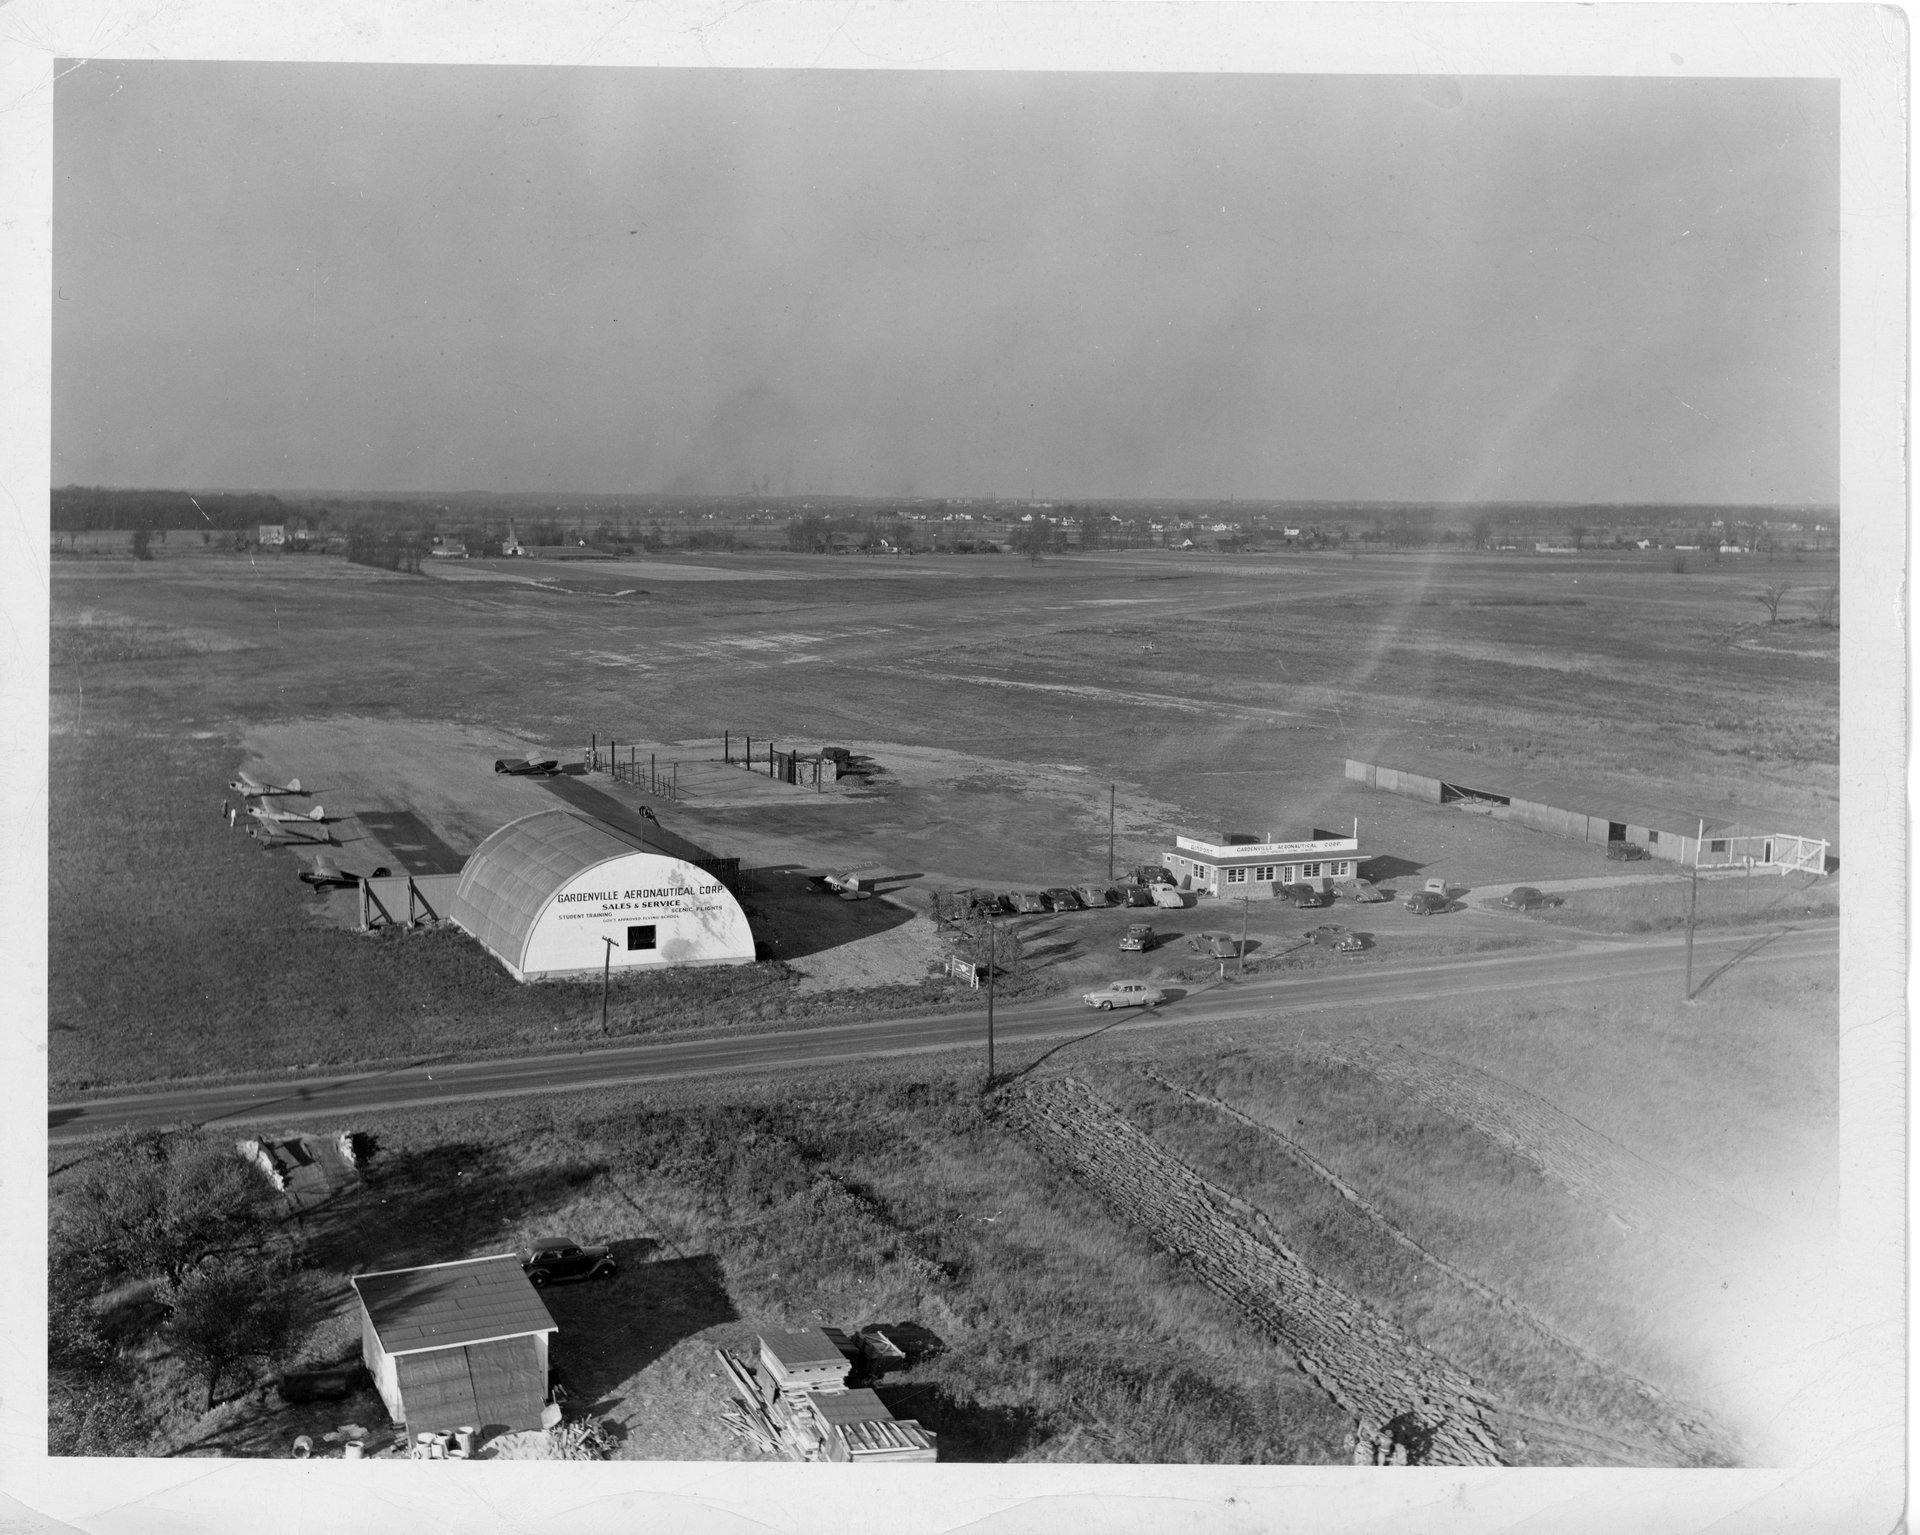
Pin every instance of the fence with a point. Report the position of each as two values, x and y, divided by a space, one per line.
651 776
795 767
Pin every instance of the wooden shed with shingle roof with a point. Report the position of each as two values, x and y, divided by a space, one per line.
453 1345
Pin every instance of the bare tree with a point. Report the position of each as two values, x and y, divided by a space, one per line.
1826 608
1770 597
1579 534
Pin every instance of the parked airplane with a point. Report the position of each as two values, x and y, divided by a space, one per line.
527 767
288 828
325 872
252 788
315 816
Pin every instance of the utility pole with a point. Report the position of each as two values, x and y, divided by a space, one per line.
606 975
1242 970
1113 791
1693 898
993 954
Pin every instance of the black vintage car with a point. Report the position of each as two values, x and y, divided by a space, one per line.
1307 897
1626 852
554 1260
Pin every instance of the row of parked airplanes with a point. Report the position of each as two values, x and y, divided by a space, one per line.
313 825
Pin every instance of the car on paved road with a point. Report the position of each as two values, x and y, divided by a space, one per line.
1123 994
555 1260
1138 939
1526 898
1424 903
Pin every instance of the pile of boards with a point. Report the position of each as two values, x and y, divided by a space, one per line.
794 1400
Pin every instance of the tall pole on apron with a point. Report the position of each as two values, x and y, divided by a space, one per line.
1112 791
606 974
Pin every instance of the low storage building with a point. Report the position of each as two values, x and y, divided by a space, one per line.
456 1345
1704 835
558 893
1245 867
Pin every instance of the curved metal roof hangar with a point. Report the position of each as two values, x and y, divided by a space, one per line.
544 894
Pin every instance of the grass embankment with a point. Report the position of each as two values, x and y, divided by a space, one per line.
1722 902
180 949
840 1199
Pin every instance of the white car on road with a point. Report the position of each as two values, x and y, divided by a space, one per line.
1124 994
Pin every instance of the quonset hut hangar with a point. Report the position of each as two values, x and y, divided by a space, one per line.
557 894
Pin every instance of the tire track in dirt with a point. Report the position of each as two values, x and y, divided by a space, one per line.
1681 1431
1411 1404
1591 1166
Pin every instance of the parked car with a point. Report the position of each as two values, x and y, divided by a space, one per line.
1424 903
1137 895
1437 887
1526 898
1307 898
1026 900
1138 939
987 903
1124 994
1214 945
1363 890
554 1260
1093 897
1062 899
1153 874
1627 852
1330 935
1167 896
331 1384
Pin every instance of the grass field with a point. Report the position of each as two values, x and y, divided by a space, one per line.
1565 1200
1217 694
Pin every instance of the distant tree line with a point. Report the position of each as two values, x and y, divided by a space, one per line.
86 509
388 550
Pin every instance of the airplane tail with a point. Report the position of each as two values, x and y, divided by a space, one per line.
293 786
317 814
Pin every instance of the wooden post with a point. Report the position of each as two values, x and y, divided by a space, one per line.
726 746
676 780
1243 936
363 905
653 776
606 975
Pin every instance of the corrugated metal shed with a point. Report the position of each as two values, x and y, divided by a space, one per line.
486 1385
448 1305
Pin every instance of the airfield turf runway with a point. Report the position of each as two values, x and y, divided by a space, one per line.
1052 1025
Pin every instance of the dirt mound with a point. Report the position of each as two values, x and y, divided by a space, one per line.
1412 1406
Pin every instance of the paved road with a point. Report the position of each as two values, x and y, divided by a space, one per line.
1017 1031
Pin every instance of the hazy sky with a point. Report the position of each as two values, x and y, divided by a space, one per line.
397 277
